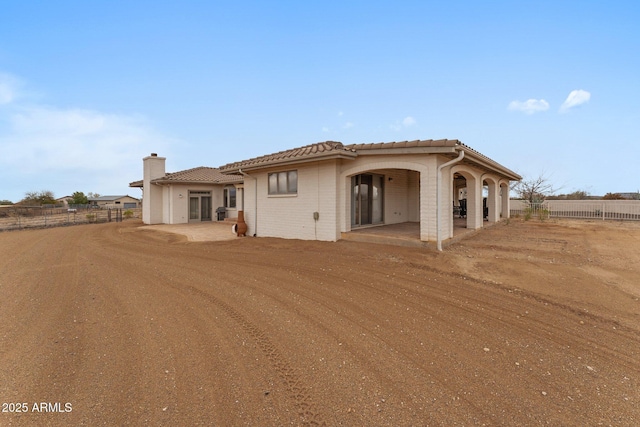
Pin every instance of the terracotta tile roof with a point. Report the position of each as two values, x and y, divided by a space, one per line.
202 174
324 150
309 152
199 175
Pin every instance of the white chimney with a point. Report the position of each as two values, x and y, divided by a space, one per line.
153 168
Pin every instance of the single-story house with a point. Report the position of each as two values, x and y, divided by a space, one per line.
319 191
125 202
192 195
64 201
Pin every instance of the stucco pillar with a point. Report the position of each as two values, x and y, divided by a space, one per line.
493 202
474 203
506 205
446 204
428 206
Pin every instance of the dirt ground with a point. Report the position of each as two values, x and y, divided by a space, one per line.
525 323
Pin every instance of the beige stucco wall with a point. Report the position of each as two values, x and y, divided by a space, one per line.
176 206
291 216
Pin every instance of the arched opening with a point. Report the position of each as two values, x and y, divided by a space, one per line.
491 200
382 199
467 200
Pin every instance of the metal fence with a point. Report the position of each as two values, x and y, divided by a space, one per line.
19 217
586 209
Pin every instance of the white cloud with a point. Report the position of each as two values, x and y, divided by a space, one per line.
69 149
8 88
575 98
347 125
529 106
405 123
409 121
49 139
74 150
325 129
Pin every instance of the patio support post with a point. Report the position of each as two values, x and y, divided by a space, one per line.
255 202
438 196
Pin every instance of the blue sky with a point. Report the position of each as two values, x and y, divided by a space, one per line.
89 88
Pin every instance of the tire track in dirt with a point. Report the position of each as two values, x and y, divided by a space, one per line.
296 389
294 385
356 317
480 301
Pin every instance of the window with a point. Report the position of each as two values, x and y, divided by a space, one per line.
283 182
229 196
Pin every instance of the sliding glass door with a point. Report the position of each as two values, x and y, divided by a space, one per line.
199 206
366 200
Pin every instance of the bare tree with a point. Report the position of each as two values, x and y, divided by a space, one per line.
38 198
535 190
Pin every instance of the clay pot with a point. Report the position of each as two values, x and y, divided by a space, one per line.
241 226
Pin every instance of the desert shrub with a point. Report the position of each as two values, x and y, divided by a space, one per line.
127 214
543 214
528 214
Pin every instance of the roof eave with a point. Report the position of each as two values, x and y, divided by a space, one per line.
492 165
192 182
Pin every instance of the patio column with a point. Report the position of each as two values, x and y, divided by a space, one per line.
493 202
474 203
428 205
506 208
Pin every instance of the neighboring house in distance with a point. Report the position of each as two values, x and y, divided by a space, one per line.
124 202
191 195
63 200
631 196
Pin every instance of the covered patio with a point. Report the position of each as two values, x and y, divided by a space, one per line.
405 234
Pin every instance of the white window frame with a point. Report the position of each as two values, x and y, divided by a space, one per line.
227 196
